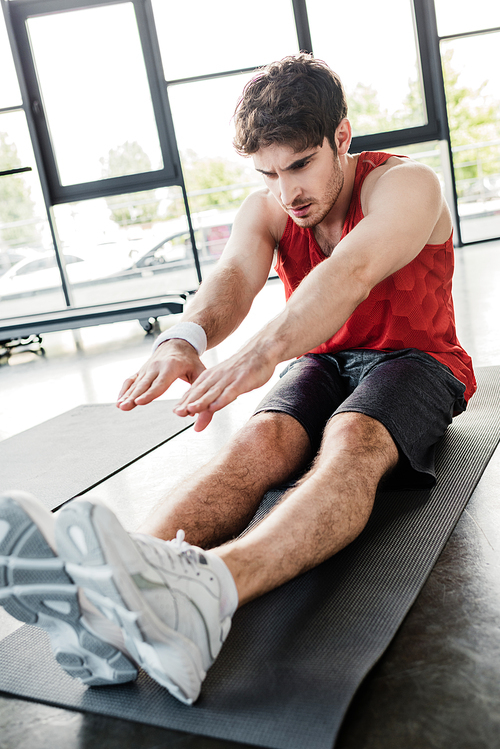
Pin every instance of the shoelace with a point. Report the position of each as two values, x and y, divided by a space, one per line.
168 554
183 549
179 543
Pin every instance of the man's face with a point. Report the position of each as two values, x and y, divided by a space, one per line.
305 184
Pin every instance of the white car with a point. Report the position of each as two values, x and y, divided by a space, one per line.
211 229
9 257
42 273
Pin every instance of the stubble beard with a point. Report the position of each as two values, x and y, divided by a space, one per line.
332 192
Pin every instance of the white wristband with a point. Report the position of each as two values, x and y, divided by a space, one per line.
187 331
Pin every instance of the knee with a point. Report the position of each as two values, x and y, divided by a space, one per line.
278 436
361 441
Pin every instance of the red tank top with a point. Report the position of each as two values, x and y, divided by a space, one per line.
412 308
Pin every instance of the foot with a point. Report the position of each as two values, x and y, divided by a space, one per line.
35 588
173 601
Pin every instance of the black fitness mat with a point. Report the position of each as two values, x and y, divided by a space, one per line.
295 657
71 453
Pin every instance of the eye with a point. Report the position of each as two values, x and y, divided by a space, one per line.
300 164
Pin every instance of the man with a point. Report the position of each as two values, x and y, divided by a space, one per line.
365 253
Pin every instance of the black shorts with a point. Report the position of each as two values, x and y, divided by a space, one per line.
412 394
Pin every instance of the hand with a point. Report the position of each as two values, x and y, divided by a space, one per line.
220 385
172 360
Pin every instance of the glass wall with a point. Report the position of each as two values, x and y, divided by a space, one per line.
133 112
377 60
98 106
471 69
473 101
130 246
221 37
10 95
25 238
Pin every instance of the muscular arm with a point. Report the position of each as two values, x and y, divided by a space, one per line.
402 206
219 306
401 211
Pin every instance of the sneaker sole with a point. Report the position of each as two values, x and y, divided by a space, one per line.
88 536
35 588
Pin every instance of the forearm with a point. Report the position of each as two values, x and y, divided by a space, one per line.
315 312
221 304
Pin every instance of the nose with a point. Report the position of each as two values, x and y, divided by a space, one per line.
289 189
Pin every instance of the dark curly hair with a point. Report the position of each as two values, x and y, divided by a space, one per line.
297 101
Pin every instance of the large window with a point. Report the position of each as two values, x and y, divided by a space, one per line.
98 106
107 150
222 35
24 228
216 177
96 102
471 69
122 111
201 69
377 58
459 16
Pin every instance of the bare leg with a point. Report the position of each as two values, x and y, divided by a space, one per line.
220 501
174 631
325 512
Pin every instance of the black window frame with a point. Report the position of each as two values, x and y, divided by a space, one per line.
169 175
16 13
436 126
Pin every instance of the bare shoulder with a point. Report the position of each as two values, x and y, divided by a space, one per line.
399 173
410 186
261 214
255 233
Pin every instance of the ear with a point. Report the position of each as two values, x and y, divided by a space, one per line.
343 136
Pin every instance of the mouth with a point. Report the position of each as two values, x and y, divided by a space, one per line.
300 211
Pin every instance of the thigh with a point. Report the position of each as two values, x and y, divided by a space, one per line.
310 390
415 398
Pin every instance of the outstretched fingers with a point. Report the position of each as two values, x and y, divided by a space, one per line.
210 388
221 385
202 421
141 390
175 359
127 386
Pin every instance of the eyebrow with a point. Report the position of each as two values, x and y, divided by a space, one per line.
293 165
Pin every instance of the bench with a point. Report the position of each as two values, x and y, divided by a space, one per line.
26 330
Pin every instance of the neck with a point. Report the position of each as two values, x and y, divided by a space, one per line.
329 231
338 211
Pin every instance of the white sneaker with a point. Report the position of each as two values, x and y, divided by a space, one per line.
165 595
35 588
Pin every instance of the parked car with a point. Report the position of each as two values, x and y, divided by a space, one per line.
211 229
11 256
118 261
41 273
